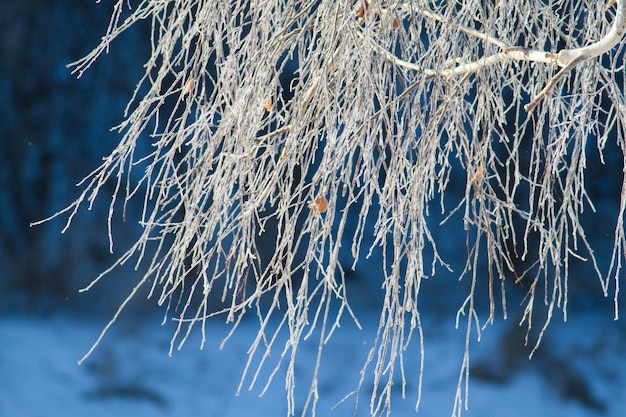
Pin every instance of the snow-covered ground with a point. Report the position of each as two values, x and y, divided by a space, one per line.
579 371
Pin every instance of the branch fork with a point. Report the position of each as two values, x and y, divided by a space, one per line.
566 58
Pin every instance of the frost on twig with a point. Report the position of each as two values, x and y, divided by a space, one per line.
310 126
565 58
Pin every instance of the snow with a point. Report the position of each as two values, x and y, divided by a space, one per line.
131 374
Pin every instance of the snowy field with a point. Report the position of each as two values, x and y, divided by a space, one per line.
580 371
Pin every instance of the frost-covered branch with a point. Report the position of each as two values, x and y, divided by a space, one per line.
271 145
565 58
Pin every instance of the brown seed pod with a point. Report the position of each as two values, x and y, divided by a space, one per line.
267 104
320 204
478 176
361 8
188 87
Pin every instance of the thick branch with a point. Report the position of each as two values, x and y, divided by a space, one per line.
567 58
